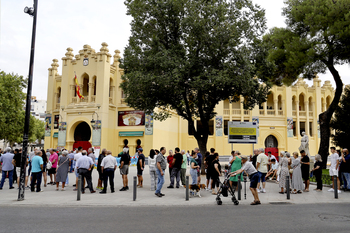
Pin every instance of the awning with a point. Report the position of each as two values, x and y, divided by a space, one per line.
131 133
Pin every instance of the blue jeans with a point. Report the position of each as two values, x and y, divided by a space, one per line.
71 167
160 180
36 178
346 176
4 177
194 175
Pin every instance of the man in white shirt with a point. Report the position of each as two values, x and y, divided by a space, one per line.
108 166
77 156
333 170
261 166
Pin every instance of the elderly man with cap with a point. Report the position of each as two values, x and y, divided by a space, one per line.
253 176
140 167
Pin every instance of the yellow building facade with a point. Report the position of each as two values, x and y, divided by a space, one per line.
287 112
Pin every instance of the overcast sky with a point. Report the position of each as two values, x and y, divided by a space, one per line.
74 23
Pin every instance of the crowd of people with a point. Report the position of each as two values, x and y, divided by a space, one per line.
259 167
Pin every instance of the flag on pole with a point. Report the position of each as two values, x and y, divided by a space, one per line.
77 88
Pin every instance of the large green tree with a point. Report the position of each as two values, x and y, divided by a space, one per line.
340 121
315 40
11 107
188 55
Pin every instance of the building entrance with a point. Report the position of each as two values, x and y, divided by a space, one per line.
82 135
271 145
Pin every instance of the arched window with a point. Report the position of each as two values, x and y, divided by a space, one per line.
270 103
271 142
301 103
311 107
279 105
85 82
59 95
294 103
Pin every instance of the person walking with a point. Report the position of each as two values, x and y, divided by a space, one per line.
216 173
253 176
100 175
7 167
37 168
194 168
84 166
153 169
317 171
183 167
108 167
140 167
297 180
161 166
284 172
62 170
261 165
305 169
124 168
175 173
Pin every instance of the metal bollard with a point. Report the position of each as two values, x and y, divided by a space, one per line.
239 186
187 188
134 189
335 187
245 187
79 188
288 188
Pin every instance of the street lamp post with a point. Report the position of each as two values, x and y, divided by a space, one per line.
33 12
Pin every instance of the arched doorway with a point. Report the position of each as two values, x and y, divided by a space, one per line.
82 135
271 145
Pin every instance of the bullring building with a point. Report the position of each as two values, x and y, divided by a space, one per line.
100 118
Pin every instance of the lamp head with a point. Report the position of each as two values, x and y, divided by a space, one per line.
29 10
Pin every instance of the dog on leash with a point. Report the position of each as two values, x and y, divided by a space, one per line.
195 190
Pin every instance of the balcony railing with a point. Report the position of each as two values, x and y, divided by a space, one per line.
261 112
236 112
311 114
246 112
302 113
294 113
93 98
271 112
226 111
280 112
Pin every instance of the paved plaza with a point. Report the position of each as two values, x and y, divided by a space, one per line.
146 197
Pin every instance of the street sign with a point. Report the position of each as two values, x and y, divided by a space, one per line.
242 132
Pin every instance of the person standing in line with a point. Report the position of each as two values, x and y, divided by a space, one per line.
188 157
346 168
261 165
91 155
52 171
297 180
207 163
161 166
199 161
77 156
62 170
170 162
284 162
236 164
153 169
71 159
305 169
194 169
7 167
100 174
255 156
183 167
317 171
108 167
37 168
216 173
177 162
253 176
124 168
45 160
140 167
84 165
333 169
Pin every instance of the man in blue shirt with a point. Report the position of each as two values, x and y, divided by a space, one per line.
37 171
84 166
7 167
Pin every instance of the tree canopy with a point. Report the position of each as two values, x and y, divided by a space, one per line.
187 56
316 39
340 121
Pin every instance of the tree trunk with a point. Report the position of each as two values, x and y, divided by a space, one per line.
325 117
202 144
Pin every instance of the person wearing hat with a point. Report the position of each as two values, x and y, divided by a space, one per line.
140 167
253 176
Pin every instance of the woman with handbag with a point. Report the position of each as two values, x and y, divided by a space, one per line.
317 172
62 170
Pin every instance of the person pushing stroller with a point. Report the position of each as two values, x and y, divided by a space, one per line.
253 176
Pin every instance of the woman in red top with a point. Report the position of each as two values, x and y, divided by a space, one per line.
170 162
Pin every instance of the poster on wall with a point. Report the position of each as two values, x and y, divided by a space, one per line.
131 118
56 121
48 125
62 130
255 121
96 133
290 127
218 126
149 124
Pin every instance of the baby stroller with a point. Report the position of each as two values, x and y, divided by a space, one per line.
225 189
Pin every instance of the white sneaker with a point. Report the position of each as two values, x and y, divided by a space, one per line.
264 191
258 190
331 190
339 191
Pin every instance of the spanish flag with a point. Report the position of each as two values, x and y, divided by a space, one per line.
77 88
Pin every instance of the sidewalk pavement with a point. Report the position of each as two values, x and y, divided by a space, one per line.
146 197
